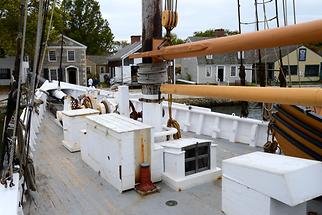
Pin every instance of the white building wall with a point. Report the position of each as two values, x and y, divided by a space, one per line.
213 78
189 69
126 74
137 61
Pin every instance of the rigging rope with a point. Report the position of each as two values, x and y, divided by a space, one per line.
169 22
172 123
8 173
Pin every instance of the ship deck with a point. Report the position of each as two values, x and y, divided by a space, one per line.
66 185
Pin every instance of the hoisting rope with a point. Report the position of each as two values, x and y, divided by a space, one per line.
172 123
169 22
271 146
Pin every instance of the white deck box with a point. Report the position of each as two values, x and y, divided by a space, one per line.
275 183
115 147
73 122
189 162
238 199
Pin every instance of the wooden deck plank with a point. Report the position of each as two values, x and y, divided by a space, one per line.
66 185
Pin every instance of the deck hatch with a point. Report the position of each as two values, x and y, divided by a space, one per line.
197 158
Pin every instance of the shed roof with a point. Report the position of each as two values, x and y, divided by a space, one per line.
125 52
269 55
10 59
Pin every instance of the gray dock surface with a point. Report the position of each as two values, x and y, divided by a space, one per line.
66 185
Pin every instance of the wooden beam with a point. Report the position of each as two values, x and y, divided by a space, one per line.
308 32
298 96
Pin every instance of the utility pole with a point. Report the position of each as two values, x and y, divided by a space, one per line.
242 73
261 66
281 75
60 70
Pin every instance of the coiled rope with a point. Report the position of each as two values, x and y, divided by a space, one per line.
172 123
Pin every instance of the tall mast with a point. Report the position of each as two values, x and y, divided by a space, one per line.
151 72
151 29
151 24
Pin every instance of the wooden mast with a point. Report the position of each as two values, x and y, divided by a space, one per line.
151 25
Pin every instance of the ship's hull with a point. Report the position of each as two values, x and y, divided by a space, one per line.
298 132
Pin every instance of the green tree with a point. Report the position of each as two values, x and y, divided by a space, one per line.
211 33
85 24
175 40
9 22
9 25
118 45
79 19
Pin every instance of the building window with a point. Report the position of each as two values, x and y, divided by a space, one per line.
208 71
70 55
241 55
233 71
197 158
311 70
5 73
302 54
102 69
88 70
209 57
52 56
293 69
53 75
112 72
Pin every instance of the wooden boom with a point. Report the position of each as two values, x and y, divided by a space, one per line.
299 96
308 32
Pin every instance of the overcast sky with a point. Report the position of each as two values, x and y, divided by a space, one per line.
124 16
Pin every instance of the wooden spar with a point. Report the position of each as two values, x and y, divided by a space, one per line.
308 32
299 96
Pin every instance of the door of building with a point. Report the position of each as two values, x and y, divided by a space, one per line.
72 75
221 73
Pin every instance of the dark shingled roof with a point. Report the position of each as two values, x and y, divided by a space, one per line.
196 39
98 59
269 55
124 51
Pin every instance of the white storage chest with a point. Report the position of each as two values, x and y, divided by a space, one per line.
114 146
73 122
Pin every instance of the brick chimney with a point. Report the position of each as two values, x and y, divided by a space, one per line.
135 38
219 32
